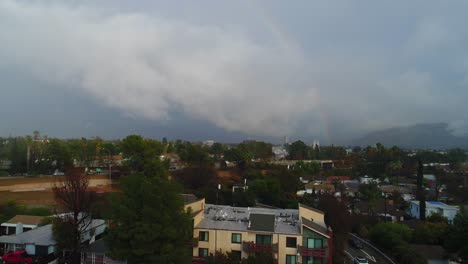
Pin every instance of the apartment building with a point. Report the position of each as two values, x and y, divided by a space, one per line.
291 235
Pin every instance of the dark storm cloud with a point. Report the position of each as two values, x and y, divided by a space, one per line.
329 69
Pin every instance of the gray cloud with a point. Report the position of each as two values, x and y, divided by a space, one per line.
329 70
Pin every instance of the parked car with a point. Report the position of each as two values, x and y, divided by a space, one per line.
19 256
356 243
58 173
360 260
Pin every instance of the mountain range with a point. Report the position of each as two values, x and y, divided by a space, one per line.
420 136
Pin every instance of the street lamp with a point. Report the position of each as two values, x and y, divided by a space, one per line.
217 193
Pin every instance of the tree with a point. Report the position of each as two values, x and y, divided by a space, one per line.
338 218
75 202
143 155
390 235
406 255
149 224
268 191
420 192
371 193
457 237
430 233
307 168
299 151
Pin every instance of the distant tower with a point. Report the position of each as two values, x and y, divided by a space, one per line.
316 144
285 140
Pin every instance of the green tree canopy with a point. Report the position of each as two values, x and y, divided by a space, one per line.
299 151
148 222
390 235
143 155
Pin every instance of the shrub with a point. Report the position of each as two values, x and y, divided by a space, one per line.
390 235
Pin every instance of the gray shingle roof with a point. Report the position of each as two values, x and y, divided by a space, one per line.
41 236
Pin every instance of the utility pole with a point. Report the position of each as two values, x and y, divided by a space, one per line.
217 193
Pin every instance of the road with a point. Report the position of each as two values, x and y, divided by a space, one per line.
368 252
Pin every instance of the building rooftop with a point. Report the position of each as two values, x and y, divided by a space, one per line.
435 204
315 226
25 220
222 217
41 236
189 198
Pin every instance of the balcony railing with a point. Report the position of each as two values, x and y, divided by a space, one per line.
251 247
313 252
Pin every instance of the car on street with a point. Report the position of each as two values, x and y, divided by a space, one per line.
19 256
360 260
355 243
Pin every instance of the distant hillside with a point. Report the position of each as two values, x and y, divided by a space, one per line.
434 136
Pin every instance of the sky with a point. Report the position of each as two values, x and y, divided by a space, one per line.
231 70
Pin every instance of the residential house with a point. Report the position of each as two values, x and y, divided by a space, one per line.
36 242
351 187
434 207
317 187
280 152
20 224
39 241
291 235
367 180
385 209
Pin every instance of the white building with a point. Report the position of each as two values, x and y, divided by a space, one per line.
367 180
434 207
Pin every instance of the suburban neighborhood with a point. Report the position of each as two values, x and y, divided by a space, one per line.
243 202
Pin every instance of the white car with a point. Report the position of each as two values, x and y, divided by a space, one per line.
360 260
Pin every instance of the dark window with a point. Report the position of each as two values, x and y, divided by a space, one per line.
236 238
291 242
264 239
236 255
203 252
291 259
203 236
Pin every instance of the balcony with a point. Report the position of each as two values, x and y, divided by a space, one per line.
313 252
251 247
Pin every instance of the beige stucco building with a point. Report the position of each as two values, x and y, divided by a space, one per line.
291 235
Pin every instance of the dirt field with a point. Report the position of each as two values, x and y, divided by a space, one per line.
44 198
36 191
43 183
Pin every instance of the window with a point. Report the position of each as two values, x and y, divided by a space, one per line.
314 243
203 252
263 239
236 238
291 242
236 255
312 260
203 236
291 259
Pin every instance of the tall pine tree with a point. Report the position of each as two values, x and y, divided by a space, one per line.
420 195
148 223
